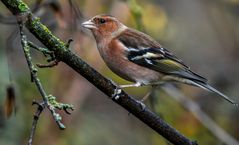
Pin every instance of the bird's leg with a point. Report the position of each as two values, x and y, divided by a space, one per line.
146 96
154 85
149 93
153 99
118 90
138 84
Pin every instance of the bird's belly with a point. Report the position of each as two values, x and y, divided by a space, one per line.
131 71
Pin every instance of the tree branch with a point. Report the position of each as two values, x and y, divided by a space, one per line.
41 32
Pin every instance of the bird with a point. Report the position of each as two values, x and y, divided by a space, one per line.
138 58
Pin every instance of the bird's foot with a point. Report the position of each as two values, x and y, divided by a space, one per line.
142 105
116 94
138 84
117 91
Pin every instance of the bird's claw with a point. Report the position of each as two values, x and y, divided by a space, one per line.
116 95
117 90
142 105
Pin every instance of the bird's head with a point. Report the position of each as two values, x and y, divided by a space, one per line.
104 26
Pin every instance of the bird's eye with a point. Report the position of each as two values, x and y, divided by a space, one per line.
102 21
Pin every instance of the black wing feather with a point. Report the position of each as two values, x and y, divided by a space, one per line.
164 64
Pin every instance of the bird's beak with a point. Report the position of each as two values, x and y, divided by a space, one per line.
89 25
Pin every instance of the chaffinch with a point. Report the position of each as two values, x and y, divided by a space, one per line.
138 58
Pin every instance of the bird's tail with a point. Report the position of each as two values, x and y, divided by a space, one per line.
212 89
200 84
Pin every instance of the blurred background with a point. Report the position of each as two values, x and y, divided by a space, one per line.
203 33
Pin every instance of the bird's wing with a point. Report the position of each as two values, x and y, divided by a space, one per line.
144 51
160 62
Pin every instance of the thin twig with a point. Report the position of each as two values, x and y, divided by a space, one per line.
50 64
37 114
32 68
45 51
52 60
